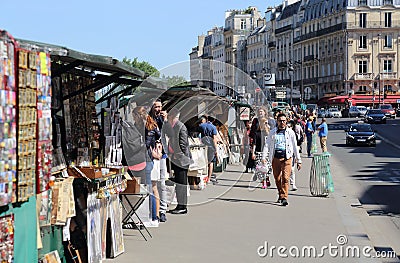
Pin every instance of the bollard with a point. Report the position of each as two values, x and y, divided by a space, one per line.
321 183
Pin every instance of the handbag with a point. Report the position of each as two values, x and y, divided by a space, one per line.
156 152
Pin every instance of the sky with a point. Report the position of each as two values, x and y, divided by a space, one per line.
159 32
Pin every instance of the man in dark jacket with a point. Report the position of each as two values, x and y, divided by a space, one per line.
179 154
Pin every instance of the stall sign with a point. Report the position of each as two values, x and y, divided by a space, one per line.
244 113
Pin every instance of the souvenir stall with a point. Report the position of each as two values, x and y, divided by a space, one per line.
78 167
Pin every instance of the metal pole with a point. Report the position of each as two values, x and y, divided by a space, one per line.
291 89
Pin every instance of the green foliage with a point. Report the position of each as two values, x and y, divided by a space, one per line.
175 81
143 66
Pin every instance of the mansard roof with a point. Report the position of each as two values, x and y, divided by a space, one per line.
315 9
290 10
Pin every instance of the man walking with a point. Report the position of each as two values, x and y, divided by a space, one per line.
281 147
323 134
208 133
179 155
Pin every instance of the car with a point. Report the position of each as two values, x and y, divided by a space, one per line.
375 116
353 112
334 113
357 111
388 110
362 110
321 113
360 134
398 112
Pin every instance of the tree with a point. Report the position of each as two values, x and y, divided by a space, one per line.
175 81
144 66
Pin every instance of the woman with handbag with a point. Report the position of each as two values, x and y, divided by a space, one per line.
153 156
259 134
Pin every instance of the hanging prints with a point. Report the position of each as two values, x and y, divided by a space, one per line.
8 143
7 238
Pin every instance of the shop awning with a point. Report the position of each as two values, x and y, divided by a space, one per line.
104 69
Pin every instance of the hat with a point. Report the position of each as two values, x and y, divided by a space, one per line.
133 146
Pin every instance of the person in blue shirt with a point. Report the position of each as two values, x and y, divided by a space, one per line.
208 133
323 134
309 133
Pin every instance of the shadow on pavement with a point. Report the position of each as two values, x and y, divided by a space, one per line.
235 200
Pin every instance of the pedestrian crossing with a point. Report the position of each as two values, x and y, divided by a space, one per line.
392 179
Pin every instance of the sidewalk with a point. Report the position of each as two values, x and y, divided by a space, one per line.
228 222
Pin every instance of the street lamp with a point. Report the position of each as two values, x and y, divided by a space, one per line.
290 71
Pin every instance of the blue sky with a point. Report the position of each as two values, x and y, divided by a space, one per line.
159 32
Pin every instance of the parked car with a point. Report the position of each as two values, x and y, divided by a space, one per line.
398 112
375 116
334 113
388 110
361 134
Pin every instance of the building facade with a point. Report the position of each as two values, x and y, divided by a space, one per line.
315 48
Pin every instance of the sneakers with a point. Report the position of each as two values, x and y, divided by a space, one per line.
284 202
152 223
294 187
263 185
279 201
163 218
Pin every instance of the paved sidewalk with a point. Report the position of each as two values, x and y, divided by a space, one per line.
228 222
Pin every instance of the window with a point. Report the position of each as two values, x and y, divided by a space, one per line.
363 42
363 20
387 66
388 19
362 2
388 41
388 88
242 23
362 88
362 66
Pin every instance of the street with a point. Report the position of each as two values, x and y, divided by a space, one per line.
372 176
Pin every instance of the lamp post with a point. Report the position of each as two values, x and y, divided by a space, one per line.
290 71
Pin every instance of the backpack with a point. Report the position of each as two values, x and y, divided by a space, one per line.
134 147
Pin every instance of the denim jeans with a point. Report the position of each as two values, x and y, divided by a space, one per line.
309 145
162 189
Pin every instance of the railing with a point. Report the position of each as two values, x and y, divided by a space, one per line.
388 75
332 78
272 44
282 64
361 76
283 29
373 24
308 58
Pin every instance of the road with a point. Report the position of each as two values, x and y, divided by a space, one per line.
373 176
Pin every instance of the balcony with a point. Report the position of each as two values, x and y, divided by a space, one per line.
271 44
283 29
373 24
310 81
389 75
282 64
363 76
332 78
308 58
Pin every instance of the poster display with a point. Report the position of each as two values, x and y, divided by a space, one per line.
8 143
